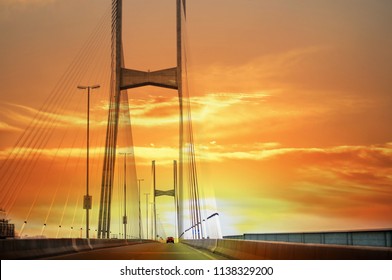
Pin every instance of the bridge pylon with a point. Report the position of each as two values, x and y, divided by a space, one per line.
123 79
172 192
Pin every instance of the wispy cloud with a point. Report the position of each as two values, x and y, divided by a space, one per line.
7 127
25 2
29 1
20 116
9 7
376 155
158 110
265 71
343 187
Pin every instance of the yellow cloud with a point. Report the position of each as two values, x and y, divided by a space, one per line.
7 127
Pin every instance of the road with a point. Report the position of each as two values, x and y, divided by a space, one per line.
147 251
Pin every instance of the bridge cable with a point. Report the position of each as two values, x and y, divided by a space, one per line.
40 130
36 129
43 125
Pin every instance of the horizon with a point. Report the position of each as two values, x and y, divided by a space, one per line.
291 108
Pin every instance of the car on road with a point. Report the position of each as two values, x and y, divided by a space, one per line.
170 239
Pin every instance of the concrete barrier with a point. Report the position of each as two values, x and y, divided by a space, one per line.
13 249
263 250
375 238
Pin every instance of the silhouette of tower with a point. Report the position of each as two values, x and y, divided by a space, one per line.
123 79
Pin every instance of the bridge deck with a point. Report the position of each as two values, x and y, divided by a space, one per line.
149 251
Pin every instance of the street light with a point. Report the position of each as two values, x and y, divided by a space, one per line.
125 220
153 229
87 198
147 194
140 214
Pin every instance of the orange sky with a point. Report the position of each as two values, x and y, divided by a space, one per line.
291 103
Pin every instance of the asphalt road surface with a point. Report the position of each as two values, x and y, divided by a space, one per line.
147 251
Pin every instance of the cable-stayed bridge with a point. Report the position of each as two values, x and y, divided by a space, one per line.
59 181
72 173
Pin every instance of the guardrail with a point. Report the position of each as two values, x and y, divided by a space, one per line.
374 238
13 249
263 250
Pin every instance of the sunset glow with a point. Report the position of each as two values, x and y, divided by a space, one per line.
291 108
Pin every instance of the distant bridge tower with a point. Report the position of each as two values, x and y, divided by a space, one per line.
172 192
123 79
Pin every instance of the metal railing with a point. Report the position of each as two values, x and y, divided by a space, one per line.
375 238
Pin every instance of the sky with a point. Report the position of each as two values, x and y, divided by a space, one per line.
291 104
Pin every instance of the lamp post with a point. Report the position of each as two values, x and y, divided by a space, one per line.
147 194
87 198
153 221
125 219
140 214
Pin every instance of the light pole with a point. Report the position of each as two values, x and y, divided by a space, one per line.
154 205
140 214
87 198
125 219
152 221
147 194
